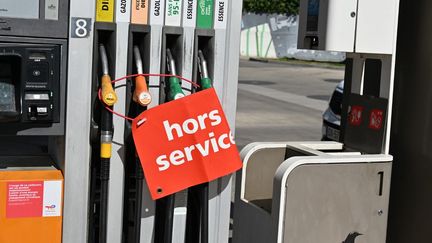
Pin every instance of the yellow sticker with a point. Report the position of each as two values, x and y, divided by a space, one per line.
105 10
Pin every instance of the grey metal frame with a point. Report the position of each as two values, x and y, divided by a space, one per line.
117 175
77 150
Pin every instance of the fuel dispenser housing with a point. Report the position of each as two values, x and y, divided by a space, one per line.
33 82
67 135
330 191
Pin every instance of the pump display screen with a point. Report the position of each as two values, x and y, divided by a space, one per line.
7 98
23 9
7 89
313 15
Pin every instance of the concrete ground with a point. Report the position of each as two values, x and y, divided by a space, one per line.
282 102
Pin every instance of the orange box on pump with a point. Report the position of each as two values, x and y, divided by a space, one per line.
31 203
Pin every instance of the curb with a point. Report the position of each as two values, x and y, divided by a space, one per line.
294 63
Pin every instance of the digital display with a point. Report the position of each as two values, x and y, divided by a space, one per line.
23 9
313 15
313 7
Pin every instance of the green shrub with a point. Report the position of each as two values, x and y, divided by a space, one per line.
271 6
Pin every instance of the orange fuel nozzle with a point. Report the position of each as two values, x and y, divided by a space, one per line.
141 94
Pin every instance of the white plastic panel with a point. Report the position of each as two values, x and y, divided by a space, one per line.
376 26
335 28
340 26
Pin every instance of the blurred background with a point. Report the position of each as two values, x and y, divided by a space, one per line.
284 93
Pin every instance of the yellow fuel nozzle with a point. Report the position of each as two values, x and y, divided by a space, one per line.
109 96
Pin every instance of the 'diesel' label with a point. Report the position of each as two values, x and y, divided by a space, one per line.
205 14
140 11
104 10
173 12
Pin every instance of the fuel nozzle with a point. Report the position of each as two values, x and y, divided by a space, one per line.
141 94
109 97
206 82
175 90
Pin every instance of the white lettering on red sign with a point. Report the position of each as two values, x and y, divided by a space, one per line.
190 127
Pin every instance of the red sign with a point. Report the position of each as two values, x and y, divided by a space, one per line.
185 142
24 199
356 114
376 119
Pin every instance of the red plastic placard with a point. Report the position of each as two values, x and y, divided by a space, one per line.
376 119
356 115
184 143
24 199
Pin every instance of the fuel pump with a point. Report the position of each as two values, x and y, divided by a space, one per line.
139 100
174 88
205 81
141 94
197 205
109 97
165 206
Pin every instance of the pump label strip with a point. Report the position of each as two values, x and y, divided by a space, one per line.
173 12
123 11
220 17
189 13
205 14
105 10
51 9
157 13
140 11
33 199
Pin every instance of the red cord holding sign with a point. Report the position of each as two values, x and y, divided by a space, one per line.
139 75
184 142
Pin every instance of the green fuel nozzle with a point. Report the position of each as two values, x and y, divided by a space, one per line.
206 82
175 90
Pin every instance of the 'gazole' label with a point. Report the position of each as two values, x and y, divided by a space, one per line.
205 14
157 14
105 10
123 11
173 12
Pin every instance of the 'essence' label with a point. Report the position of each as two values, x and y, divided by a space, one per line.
189 13
220 17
